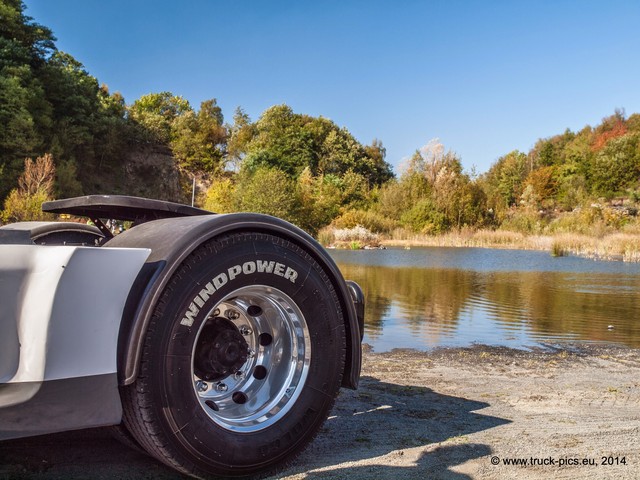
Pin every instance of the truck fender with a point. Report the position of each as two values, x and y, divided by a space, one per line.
172 240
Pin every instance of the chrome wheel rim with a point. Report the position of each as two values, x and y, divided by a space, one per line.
251 358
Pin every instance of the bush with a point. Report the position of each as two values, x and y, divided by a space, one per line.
269 191
525 220
588 220
425 218
220 197
368 219
355 234
35 187
25 208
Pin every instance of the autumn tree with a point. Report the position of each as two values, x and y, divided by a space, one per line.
35 186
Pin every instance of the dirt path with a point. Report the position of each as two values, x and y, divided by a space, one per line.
444 414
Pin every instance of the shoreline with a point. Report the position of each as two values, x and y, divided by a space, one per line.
443 413
617 246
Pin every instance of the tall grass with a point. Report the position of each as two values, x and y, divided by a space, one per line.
353 238
591 232
615 246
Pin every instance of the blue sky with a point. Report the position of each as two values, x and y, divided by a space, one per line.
485 77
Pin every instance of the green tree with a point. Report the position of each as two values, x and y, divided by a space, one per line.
292 142
24 49
424 217
18 137
617 166
240 135
508 176
269 191
320 198
155 114
198 140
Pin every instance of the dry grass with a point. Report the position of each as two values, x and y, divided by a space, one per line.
615 246
470 238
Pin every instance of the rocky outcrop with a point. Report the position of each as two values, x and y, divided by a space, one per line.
152 172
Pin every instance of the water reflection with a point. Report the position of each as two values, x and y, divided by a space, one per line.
433 297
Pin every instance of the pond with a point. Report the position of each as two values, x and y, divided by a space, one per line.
430 297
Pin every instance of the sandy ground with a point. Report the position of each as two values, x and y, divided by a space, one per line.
452 413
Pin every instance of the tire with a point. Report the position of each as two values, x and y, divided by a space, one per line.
66 233
242 360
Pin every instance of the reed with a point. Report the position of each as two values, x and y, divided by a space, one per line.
615 246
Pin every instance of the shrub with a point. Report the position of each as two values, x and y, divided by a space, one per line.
524 220
35 187
368 219
269 191
425 218
355 234
220 197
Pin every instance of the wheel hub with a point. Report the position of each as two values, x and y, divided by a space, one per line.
251 358
221 350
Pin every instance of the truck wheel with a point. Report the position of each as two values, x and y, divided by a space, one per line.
242 360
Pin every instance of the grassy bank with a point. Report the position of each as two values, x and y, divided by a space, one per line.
620 246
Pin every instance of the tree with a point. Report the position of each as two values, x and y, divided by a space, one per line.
269 191
512 174
611 127
198 140
156 112
18 137
281 142
542 186
617 166
221 196
22 41
320 199
35 186
381 171
292 142
240 134
24 49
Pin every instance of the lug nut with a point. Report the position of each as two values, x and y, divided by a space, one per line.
221 387
251 353
232 314
201 386
244 330
239 375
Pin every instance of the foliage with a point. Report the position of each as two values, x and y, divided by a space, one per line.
67 184
433 194
35 186
616 166
198 140
269 191
424 217
355 235
306 169
220 197
524 220
368 219
156 113
292 142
